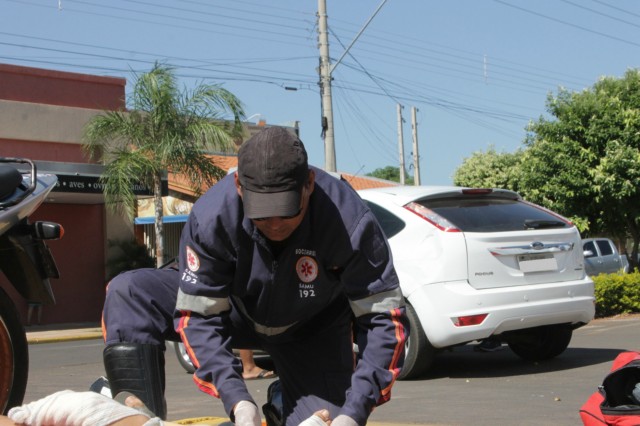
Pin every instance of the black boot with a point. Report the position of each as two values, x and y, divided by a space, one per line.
138 369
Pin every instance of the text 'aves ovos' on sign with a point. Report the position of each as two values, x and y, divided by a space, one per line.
92 185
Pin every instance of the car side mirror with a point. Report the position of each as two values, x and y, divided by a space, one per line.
588 253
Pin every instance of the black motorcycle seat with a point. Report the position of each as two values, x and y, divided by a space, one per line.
10 179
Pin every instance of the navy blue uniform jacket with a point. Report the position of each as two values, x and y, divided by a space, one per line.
338 248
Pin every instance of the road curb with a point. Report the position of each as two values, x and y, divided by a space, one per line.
203 421
38 337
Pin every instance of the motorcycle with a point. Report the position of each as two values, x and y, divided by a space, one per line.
27 263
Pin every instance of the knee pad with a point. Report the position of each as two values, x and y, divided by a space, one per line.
139 369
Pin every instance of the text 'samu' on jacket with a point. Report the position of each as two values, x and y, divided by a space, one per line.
338 247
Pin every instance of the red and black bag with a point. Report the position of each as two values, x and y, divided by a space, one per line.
617 401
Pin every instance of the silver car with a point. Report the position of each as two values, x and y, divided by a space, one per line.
601 256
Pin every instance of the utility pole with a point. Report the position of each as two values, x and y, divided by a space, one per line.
400 144
416 157
326 69
325 89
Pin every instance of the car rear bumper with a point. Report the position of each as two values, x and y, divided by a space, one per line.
507 308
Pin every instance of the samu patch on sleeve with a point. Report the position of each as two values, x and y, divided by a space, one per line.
193 261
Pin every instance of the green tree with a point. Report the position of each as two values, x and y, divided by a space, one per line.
391 173
585 161
165 129
489 169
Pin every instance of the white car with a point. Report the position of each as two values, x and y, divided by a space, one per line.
481 263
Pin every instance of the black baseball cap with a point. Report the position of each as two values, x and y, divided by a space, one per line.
272 169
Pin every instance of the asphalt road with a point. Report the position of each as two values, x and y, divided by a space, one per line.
463 388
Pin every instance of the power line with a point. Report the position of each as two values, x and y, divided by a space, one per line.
616 8
597 12
551 18
364 70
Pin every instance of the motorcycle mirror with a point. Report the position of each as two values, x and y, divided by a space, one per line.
47 230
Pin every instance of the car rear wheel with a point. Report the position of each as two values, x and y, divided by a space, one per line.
540 343
418 352
183 358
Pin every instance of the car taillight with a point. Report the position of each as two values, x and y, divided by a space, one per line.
469 320
432 217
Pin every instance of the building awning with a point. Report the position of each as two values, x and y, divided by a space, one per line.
149 220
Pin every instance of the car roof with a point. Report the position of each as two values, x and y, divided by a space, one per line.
405 194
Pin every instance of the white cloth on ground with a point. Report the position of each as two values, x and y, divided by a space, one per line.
69 408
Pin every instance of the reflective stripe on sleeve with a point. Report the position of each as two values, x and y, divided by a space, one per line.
378 303
202 305
401 338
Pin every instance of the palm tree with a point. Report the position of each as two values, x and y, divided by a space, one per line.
164 130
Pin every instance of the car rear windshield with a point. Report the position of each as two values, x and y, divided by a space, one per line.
485 214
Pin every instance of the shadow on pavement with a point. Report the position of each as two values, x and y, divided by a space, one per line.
464 362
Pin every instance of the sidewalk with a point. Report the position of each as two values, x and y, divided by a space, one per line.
62 332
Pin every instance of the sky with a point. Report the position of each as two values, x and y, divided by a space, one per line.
476 71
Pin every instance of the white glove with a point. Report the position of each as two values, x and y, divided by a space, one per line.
247 414
343 420
316 419
69 408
